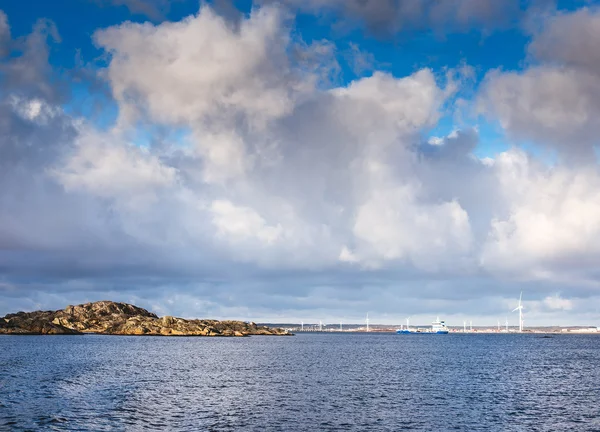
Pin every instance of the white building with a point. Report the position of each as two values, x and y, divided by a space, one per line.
582 330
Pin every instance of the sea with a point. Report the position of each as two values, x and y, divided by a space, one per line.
308 382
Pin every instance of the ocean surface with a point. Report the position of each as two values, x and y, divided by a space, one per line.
310 382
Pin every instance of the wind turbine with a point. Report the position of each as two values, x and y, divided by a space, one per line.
341 326
464 326
301 325
367 321
320 325
471 325
498 326
407 322
520 309
506 322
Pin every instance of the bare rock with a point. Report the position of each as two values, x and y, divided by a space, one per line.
106 317
33 323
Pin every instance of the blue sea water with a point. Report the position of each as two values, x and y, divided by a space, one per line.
310 382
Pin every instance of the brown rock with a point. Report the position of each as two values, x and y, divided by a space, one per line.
168 321
107 317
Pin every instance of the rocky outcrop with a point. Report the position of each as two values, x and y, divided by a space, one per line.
106 317
32 323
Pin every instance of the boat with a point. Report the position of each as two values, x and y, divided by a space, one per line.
437 327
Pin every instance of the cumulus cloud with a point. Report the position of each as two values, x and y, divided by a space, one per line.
550 228
552 106
212 78
390 225
244 111
407 104
569 39
109 169
396 108
553 220
277 191
554 102
201 69
241 223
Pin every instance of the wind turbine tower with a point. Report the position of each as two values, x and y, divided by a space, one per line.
367 321
301 325
320 325
471 325
464 326
520 309
341 326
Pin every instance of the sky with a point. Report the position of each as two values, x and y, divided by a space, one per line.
303 160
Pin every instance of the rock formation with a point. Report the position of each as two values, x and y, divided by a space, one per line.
106 317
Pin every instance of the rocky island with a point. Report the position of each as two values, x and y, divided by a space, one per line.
112 318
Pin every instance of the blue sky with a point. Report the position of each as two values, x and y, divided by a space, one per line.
400 54
288 160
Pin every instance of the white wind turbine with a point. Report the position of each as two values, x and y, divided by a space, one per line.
520 309
367 321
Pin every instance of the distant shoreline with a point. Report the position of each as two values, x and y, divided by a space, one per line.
457 330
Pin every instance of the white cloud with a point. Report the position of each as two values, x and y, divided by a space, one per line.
407 104
113 170
551 106
347 256
549 228
238 71
221 81
393 225
283 183
555 102
553 216
557 303
34 110
241 223
570 39
435 141
488 161
202 69
224 153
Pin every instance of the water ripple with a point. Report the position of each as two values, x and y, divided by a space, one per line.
311 382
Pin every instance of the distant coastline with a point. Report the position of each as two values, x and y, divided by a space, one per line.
386 328
112 318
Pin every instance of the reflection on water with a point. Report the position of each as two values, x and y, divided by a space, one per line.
310 382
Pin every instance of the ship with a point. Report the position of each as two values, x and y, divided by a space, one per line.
437 327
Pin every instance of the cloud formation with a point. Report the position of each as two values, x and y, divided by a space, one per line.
555 101
274 192
388 17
